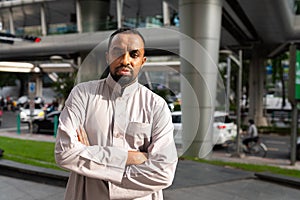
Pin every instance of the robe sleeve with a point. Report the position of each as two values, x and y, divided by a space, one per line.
158 171
105 163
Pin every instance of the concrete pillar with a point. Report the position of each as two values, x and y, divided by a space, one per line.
200 20
119 12
43 20
166 13
78 16
1 23
37 78
228 74
256 88
94 14
39 85
11 21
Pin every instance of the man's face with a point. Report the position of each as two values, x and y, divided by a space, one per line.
125 57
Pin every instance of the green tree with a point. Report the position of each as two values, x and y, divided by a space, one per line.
64 85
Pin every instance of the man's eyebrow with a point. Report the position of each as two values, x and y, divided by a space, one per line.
116 48
136 50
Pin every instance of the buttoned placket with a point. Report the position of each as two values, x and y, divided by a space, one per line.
119 122
119 98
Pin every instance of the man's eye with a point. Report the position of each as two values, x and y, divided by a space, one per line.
117 53
134 54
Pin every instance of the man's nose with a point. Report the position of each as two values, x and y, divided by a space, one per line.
125 58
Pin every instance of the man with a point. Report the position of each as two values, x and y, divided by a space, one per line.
252 134
115 135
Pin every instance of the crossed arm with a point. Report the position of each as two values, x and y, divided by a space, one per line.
134 157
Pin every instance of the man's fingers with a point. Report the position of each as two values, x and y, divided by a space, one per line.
82 136
78 135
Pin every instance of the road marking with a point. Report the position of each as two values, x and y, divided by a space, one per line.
275 142
272 149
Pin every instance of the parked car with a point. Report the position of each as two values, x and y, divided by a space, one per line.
46 124
38 112
223 128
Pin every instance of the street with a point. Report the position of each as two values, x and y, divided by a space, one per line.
278 146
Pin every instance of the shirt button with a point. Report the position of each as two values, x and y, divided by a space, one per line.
118 135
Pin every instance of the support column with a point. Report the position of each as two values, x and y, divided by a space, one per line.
119 12
256 89
166 13
37 79
294 101
78 16
43 20
228 74
1 24
94 14
11 21
39 85
200 20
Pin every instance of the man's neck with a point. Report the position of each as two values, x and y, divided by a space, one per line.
123 82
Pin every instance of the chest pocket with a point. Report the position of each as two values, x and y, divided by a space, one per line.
138 135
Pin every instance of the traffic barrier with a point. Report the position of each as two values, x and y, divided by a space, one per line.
55 125
18 124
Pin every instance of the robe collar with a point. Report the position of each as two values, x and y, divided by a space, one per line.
117 90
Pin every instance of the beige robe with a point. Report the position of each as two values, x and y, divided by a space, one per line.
116 120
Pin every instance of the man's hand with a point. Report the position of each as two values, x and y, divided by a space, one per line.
82 136
136 158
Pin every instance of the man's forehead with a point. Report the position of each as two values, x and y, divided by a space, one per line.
133 41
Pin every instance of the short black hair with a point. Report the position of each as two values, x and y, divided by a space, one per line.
251 121
124 30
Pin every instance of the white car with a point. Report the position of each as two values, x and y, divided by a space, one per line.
38 113
223 128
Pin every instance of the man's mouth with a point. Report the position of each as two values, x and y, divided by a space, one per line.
124 71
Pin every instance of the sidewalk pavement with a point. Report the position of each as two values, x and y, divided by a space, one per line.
282 163
12 133
193 180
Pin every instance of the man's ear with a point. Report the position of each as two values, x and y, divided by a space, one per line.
144 60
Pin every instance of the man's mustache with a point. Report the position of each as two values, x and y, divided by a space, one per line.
124 66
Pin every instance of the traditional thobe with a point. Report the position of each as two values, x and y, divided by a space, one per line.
116 120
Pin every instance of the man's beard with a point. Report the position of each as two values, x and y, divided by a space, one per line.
123 79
